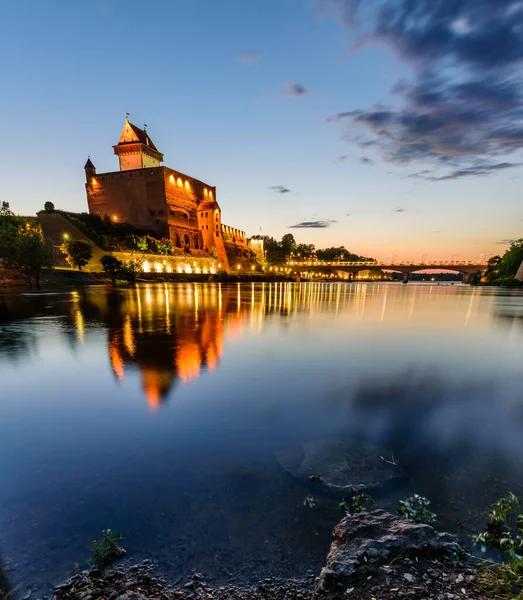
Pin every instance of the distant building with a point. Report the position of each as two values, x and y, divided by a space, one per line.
150 196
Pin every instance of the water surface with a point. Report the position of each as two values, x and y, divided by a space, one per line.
157 410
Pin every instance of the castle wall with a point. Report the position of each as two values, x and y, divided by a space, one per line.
136 197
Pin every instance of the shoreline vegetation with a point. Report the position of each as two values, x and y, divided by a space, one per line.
375 555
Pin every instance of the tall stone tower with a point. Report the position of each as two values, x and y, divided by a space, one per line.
90 170
135 150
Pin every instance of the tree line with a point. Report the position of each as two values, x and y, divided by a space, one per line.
502 270
279 252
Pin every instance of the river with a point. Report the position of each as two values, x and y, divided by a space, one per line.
156 411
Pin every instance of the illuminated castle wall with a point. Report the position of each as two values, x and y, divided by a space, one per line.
168 202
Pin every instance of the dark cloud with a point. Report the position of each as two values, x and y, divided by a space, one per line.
506 242
342 158
313 225
400 209
366 161
249 58
296 90
465 103
347 215
280 189
478 170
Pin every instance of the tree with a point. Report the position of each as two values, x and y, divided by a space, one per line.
112 266
288 244
131 269
49 207
5 210
475 278
511 261
77 252
304 251
30 254
9 226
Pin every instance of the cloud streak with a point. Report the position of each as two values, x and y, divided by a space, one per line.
296 90
280 189
465 102
313 224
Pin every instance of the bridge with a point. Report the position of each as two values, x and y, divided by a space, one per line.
405 267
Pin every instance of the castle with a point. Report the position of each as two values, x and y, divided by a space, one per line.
154 197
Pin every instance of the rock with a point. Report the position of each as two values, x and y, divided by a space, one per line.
342 463
131 596
371 539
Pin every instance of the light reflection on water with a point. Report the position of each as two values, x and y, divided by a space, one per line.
156 411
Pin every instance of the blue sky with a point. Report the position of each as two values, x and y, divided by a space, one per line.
249 95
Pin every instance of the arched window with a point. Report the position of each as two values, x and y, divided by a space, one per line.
177 241
196 242
186 240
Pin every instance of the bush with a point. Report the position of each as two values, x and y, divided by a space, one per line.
49 207
112 266
77 252
130 269
505 531
416 509
106 551
508 282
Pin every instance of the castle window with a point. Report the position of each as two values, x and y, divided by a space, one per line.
186 240
202 226
160 212
177 240
217 234
151 213
206 214
157 221
202 215
207 226
196 242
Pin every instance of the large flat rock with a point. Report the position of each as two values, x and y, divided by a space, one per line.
364 541
344 464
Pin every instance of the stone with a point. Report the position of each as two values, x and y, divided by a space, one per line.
344 464
371 539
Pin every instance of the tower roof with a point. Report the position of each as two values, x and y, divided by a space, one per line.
89 164
131 134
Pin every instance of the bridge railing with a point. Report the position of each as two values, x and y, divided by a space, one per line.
428 264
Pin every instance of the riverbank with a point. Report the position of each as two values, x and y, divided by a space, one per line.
66 277
408 578
375 555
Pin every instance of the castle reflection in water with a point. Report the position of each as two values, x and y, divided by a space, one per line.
175 333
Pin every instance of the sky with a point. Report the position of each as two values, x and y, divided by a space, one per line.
391 127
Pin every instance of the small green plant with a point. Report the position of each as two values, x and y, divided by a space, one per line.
356 503
416 509
310 502
505 531
106 550
505 527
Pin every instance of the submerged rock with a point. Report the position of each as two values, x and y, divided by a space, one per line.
343 463
371 539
